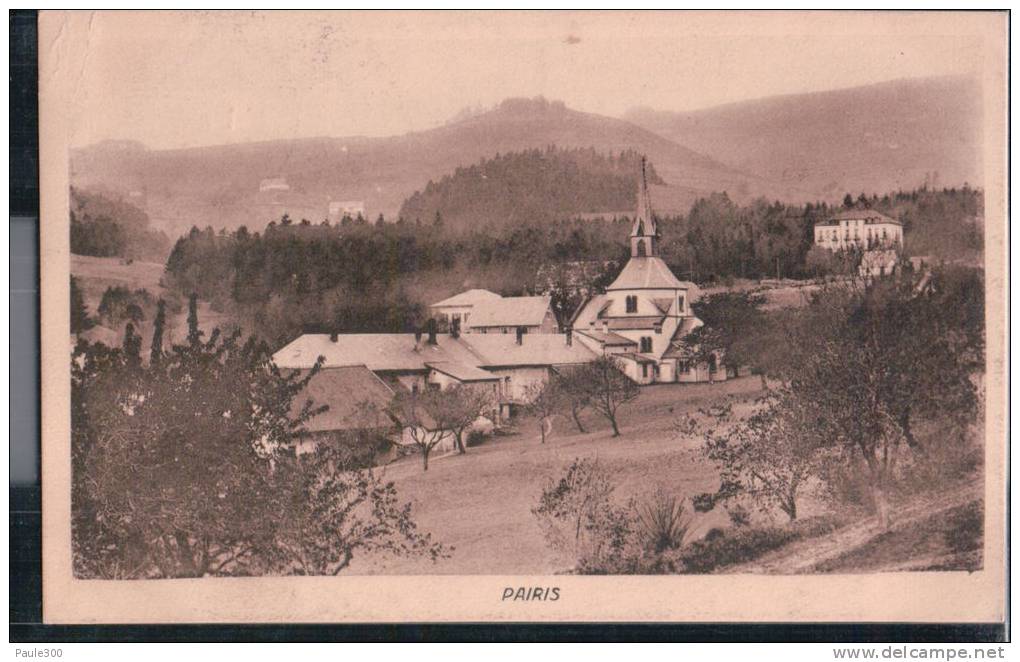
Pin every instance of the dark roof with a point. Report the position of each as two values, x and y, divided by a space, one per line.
356 399
608 339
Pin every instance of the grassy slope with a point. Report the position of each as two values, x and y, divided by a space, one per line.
481 502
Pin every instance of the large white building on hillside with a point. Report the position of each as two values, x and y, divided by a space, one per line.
645 314
878 237
865 229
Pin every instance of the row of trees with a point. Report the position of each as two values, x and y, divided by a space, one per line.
184 465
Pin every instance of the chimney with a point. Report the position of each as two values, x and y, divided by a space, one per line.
569 333
432 331
334 337
455 328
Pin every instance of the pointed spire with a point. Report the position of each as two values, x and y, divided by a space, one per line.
644 224
644 233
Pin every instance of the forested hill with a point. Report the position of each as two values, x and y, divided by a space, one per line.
104 225
531 186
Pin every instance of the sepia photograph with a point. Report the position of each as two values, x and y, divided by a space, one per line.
503 303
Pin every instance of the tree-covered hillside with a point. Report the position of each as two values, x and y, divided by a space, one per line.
106 226
533 186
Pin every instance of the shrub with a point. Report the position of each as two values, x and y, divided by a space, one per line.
475 438
724 547
663 522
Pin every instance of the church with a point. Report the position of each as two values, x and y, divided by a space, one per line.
645 314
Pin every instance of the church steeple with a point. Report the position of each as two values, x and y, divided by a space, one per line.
645 234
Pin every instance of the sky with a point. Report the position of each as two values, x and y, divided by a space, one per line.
183 79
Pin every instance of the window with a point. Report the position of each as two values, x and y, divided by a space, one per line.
646 344
631 302
644 370
641 250
680 301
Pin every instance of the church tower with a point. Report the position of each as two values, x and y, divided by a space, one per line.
645 234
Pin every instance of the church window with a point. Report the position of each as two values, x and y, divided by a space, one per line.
631 304
641 251
680 304
644 370
646 344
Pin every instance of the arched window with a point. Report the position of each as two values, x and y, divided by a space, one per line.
646 344
641 252
631 301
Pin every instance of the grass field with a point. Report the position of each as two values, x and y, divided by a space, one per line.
480 502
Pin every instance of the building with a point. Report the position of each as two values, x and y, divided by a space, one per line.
864 229
458 308
366 412
273 184
645 314
509 314
506 365
338 209
482 311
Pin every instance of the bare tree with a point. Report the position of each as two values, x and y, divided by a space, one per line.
608 388
545 400
418 415
766 459
458 407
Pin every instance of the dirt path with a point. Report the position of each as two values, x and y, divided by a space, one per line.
802 556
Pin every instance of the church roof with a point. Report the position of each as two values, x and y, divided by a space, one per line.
645 273
678 345
510 311
468 298
609 339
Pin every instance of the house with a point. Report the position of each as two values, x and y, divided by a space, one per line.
509 314
645 314
865 229
338 209
458 308
482 311
507 366
363 413
273 184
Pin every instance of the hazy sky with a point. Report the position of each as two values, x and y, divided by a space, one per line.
186 79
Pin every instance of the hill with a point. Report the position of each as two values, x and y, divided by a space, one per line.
220 185
900 134
535 186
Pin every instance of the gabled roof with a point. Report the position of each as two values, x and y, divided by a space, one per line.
869 216
647 273
369 396
468 298
510 311
502 350
461 372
